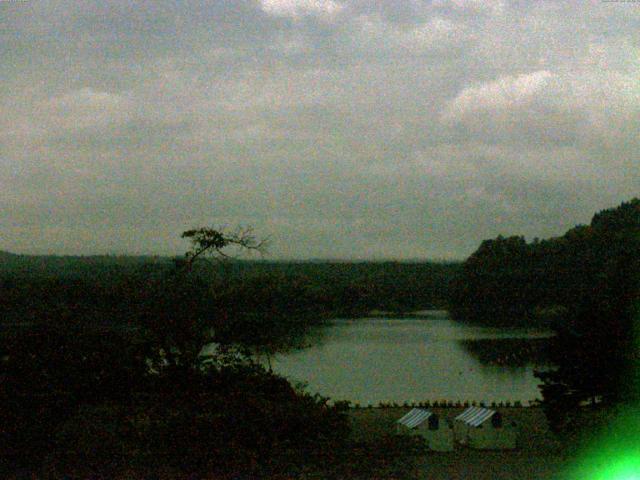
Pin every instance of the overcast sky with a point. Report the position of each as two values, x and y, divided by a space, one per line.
338 128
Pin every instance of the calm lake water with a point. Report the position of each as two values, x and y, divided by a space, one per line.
412 359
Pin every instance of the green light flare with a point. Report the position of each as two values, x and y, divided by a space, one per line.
614 454
626 469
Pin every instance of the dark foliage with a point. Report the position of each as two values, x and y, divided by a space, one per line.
47 373
102 373
236 419
87 402
509 281
585 285
101 289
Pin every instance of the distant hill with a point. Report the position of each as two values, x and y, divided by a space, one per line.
345 286
65 266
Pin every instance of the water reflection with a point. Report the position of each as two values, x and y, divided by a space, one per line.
374 360
510 352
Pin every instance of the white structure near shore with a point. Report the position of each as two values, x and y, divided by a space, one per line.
438 434
484 429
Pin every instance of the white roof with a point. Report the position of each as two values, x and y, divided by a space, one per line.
475 416
415 417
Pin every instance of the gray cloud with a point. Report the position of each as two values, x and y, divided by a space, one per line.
339 128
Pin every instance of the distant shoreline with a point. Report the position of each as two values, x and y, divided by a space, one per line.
430 313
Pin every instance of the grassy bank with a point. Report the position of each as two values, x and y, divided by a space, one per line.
539 455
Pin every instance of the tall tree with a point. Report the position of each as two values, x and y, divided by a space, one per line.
180 310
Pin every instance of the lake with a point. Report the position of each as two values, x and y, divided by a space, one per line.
428 357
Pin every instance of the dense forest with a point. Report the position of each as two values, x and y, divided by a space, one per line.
114 290
586 286
507 281
267 305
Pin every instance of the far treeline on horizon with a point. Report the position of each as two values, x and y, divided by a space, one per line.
507 281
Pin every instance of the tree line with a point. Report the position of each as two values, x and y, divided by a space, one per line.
585 285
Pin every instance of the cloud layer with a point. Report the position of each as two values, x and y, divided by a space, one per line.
339 128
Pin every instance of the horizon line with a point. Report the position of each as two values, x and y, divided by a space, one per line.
246 258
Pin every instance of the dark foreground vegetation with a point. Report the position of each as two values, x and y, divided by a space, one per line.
87 406
102 373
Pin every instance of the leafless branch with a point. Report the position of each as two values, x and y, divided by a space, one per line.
213 241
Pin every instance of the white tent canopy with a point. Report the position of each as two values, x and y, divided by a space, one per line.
482 428
474 416
415 417
438 436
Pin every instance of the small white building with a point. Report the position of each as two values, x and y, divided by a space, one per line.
438 435
484 429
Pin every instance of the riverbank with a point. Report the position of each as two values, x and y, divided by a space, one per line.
539 455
